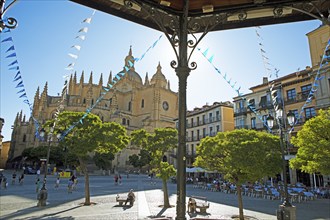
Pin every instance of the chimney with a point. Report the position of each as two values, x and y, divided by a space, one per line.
264 80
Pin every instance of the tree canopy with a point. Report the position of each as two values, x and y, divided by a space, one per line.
313 142
158 144
90 135
241 156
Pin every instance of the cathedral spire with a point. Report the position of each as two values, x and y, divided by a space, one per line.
129 60
75 77
110 78
24 118
20 116
45 92
146 80
101 80
91 78
82 78
37 95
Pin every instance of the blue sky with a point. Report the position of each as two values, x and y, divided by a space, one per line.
47 30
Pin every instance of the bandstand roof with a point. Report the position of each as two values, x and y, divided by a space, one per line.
220 14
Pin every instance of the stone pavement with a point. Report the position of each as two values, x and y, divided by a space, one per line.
19 202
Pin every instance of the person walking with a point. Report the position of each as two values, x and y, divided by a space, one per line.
13 178
119 179
57 183
4 182
21 179
37 185
70 183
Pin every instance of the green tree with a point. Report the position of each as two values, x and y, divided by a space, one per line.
241 156
103 160
89 136
158 144
140 160
313 141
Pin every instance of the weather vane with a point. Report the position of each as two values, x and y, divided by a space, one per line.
10 22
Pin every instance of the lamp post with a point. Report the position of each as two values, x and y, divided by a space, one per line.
43 193
287 210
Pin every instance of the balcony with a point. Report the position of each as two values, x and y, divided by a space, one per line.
240 111
241 126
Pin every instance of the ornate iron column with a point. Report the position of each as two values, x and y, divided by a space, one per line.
182 71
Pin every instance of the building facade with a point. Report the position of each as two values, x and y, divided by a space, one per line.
293 91
206 121
132 103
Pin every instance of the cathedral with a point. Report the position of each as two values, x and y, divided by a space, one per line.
131 102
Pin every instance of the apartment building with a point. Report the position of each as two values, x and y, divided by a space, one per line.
293 90
206 121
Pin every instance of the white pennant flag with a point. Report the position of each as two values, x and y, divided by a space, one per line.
81 37
85 29
73 55
77 47
87 20
70 66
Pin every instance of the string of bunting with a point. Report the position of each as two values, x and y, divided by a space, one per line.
267 65
109 86
324 61
74 55
17 78
233 86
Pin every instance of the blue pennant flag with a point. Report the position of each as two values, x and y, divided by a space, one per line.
23 95
20 84
211 59
10 48
81 122
130 63
117 76
12 63
319 78
19 77
11 55
110 86
142 56
22 90
18 73
7 39
106 89
205 52
136 59
26 101
14 68
6 31
126 68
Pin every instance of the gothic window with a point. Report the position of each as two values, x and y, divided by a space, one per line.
102 119
24 138
92 102
253 122
127 122
142 103
129 106
124 121
105 105
84 101
110 100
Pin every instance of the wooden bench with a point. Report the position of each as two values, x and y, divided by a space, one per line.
201 203
122 200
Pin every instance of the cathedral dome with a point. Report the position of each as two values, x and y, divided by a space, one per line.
132 75
159 76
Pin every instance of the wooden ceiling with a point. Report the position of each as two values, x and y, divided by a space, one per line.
221 14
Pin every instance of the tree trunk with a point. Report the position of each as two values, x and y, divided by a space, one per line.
240 202
166 199
85 171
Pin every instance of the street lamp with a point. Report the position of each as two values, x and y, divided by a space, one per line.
287 211
43 194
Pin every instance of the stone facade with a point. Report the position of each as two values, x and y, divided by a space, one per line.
133 103
205 121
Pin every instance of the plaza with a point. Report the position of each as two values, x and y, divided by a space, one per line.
20 201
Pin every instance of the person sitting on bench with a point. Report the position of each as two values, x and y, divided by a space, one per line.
130 197
191 205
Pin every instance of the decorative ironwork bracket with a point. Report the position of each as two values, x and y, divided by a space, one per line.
10 22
